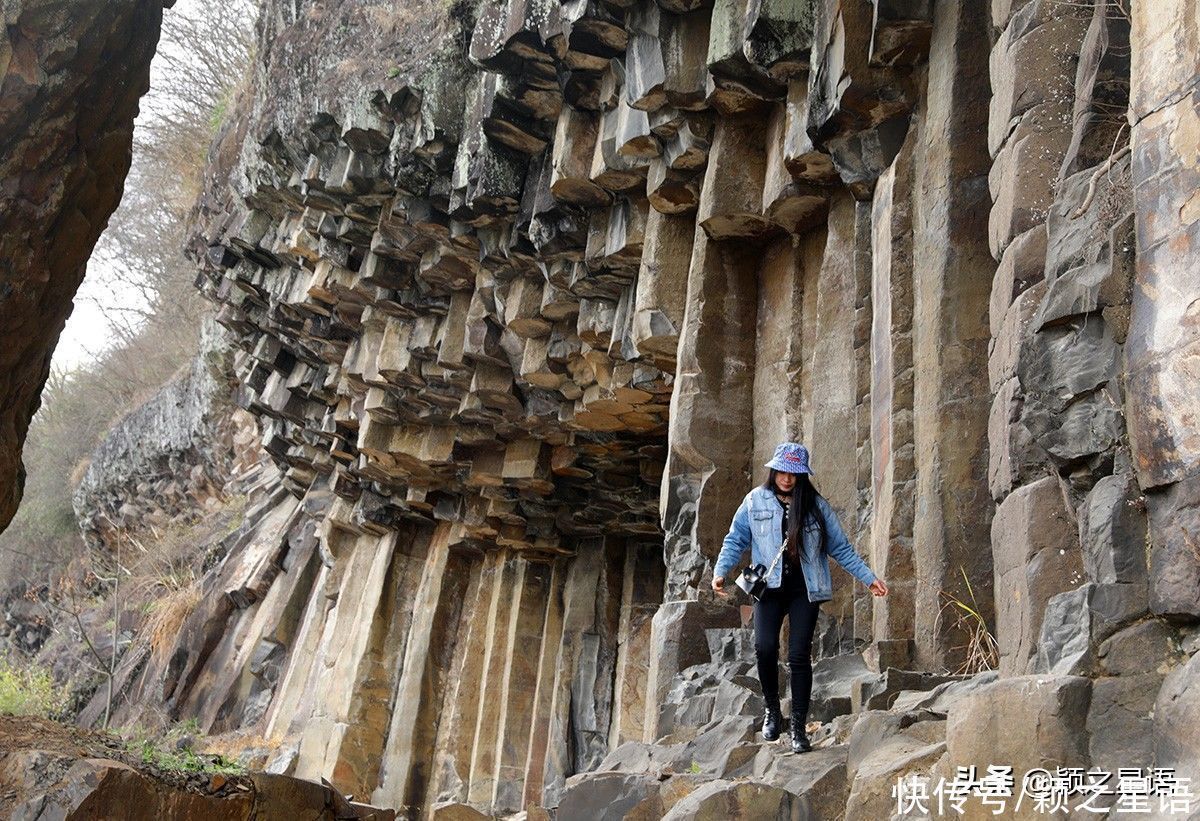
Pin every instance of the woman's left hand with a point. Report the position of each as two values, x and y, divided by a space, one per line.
878 587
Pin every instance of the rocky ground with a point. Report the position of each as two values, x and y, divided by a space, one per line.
54 771
871 724
867 727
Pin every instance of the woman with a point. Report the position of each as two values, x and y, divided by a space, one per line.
787 512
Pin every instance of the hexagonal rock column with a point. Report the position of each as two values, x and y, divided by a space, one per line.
711 423
893 463
952 272
404 772
830 384
641 595
1163 349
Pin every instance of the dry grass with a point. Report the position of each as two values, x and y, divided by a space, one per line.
233 745
166 618
164 567
981 651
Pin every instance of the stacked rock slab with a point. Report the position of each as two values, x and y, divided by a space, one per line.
1061 229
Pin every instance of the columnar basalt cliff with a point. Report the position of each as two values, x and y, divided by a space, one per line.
525 292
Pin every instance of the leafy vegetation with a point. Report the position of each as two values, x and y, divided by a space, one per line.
29 690
173 751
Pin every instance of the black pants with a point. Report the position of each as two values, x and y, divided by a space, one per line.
768 619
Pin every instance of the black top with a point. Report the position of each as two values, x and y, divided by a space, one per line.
793 575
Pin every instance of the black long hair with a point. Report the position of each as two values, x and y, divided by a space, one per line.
802 506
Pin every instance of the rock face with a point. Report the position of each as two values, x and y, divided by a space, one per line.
70 78
523 301
173 454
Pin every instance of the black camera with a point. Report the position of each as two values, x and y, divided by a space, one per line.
753 580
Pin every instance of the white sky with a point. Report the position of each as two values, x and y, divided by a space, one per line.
88 332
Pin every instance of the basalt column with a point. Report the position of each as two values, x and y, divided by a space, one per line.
641 594
711 431
462 700
349 653
787 283
429 652
952 278
519 685
1059 229
1163 349
829 385
503 610
581 706
711 419
893 474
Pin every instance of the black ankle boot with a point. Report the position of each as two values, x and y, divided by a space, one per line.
800 742
772 724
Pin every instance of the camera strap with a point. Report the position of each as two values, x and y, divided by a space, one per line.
775 561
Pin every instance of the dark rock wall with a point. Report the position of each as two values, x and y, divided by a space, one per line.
70 79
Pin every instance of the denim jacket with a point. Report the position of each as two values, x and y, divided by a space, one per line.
757 524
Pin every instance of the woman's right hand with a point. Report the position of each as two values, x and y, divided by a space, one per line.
718 586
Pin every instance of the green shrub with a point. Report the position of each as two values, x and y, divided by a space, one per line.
29 691
186 760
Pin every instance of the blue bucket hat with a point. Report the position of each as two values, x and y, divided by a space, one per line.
790 458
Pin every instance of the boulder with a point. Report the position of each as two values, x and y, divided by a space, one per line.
880 692
1112 530
1139 648
878 729
1014 457
604 796
871 793
1174 552
1076 621
737 799
718 747
817 777
638 757
670 792
1176 716
940 698
833 681
456 811
1035 548
1023 722
1120 720
1072 407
